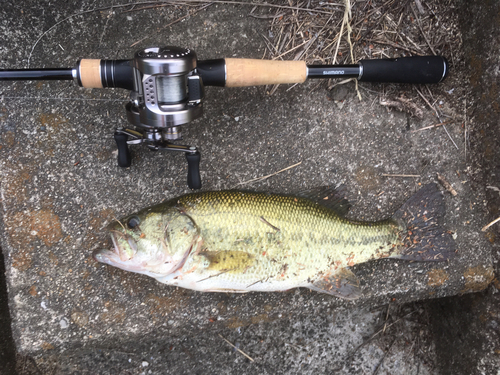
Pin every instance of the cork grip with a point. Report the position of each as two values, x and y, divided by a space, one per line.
252 72
90 73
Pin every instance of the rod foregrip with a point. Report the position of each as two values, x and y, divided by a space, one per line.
416 69
89 73
95 73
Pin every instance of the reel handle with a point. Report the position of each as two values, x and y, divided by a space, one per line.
193 178
124 157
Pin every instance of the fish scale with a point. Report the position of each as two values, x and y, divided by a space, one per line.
233 241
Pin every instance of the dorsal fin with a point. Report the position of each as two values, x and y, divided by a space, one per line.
330 197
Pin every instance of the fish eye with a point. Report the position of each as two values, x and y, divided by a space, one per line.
133 222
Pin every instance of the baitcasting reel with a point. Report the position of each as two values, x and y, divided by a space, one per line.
166 88
166 92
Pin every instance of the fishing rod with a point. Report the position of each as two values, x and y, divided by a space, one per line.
167 88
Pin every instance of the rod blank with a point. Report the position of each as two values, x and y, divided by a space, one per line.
36 74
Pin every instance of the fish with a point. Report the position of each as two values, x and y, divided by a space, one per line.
239 241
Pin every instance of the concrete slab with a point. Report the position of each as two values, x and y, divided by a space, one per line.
61 185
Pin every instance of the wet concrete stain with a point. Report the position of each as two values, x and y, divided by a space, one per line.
236 321
477 278
162 308
80 318
96 226
17 183
27 226
22 260
45 225
367 178
114 313
437 277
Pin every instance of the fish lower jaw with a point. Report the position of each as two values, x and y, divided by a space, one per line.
106 256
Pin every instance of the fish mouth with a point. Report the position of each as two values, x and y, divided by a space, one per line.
116 254
106 256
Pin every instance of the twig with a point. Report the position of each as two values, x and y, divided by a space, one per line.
432 126
290 50
400 175
386 317
400 46
422 30
449 136
57 24
344 21
239 350
437 115
348 17
485 228
186 2
390 325
427 102
269 175
82 13
377 333
411 348
419 6
383 357
267 5
403 104
465 128
446 185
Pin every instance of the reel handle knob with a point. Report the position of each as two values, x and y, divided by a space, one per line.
193 178
124 157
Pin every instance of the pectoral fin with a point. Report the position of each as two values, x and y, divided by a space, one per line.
229 260
343 284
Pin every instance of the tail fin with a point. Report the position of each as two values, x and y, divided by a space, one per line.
424 239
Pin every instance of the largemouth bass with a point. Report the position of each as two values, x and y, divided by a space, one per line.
233 241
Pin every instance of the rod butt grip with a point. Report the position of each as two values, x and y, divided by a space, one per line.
417 69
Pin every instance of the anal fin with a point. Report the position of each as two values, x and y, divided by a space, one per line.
343 284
